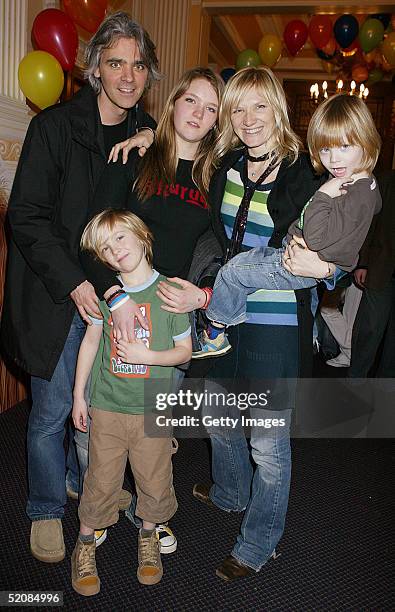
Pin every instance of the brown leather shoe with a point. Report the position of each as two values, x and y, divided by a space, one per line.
231 569
201 492
46 541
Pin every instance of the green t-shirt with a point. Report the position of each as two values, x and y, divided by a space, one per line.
120 387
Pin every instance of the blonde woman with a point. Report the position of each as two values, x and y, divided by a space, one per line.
260 188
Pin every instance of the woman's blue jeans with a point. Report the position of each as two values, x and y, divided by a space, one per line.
51 406
256 481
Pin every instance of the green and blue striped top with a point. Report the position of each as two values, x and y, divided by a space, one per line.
263 307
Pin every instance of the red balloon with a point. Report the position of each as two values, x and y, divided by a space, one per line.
88 14
54 32
355 47
320 30
295 35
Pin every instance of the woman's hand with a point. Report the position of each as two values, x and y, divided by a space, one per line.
123 321
300 261
143 140
176 300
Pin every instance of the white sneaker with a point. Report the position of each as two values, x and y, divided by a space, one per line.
100 536
167 539
341 361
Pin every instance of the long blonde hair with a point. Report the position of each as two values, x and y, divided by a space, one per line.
267 85
159 164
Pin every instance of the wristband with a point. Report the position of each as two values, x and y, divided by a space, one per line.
115 300
119 303
113 295
209 293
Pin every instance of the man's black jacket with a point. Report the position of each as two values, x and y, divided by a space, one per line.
60 167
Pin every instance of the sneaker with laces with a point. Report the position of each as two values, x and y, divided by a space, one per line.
167 539
100 536
211 347
150 570
84 578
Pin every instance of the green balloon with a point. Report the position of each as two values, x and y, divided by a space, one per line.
375 75
371 34
248 57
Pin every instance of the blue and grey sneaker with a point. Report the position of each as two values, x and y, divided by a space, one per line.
212 347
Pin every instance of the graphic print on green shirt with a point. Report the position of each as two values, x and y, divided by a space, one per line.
120 387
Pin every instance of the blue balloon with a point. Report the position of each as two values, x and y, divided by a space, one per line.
325 56
226 73
385 18
346 30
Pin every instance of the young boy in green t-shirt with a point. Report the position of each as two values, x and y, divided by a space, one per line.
120 371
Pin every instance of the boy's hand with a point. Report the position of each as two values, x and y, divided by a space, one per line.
336 186
80 413
134 352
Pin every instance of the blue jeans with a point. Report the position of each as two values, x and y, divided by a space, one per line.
258 268
51 405
257 481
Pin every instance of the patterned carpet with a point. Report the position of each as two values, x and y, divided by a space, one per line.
336 553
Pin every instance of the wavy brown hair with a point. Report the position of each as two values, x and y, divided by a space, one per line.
160 162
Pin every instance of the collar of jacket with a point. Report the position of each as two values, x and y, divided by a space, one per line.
86 124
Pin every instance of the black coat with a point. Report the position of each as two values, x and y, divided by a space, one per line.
59 169
378 251
294 186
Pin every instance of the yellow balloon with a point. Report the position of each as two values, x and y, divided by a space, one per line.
41 78
270 49
388 49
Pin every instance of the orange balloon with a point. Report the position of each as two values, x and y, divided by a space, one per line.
372 57
330 47
359 73
88 14
388 49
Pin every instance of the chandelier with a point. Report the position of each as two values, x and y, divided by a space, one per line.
317 95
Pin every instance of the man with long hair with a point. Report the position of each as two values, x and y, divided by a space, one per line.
47 296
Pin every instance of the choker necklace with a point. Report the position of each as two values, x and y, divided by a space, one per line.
263 157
